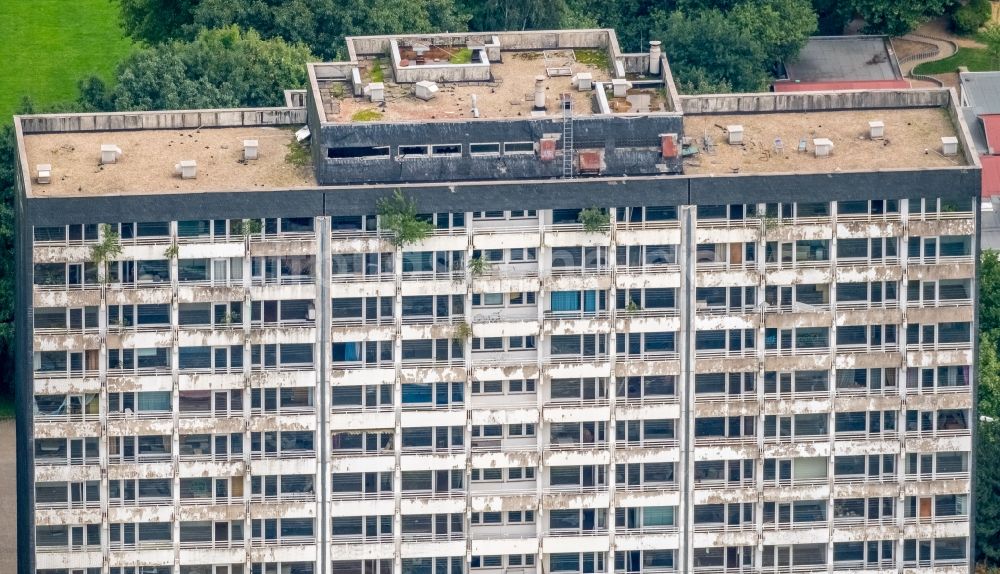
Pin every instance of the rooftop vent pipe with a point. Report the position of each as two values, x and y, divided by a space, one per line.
539 92
654 57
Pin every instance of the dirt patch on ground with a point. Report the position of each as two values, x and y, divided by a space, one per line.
8 498
906 48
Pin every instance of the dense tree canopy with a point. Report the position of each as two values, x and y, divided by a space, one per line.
219 68
711 50
319 24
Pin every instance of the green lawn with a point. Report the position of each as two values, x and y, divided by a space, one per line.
976 59
46 46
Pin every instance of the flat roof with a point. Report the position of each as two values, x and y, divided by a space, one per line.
509 92
912 140
843 58
149 156
981 91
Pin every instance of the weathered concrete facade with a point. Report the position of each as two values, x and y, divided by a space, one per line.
731 372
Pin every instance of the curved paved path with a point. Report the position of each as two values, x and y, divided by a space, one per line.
945 47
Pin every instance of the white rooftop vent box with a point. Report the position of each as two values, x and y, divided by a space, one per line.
110 153
823 147
250 149
425 90
187 169
949 145
735 132
376 91
876 129
583 81
620 87
44 172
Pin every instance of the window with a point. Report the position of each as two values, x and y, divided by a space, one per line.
484 149
446 150
358 152
648 388
510 148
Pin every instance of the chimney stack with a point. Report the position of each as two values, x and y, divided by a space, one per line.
654 57
539 93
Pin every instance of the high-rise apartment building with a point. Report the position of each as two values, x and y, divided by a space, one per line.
647 333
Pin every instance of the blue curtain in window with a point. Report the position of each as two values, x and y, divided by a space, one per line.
350 351
590 301
565 300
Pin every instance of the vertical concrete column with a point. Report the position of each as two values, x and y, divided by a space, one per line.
102 441
542 386
245 322
397 407
612 388
467 350
901 374
973 374
175 390
831 386
685 383
324 311
759 387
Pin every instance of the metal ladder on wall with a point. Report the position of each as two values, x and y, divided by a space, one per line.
566 101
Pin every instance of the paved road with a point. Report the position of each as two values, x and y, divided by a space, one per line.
8 499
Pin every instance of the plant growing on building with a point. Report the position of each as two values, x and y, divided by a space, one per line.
121 324
172 251
298 154
479 266
107 249
245 227
632 307
462 332
398 216
228 319
767 221
377 74
463 56
594 219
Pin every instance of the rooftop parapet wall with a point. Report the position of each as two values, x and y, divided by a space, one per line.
181 119
814 101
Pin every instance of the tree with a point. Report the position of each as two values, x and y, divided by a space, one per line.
781 27
710 48
488 15
8 152
893 17
155 20
631 19
219 68
320 24
988 492
991 37
398 215
989 291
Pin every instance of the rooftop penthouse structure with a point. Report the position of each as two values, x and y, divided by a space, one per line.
646 332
